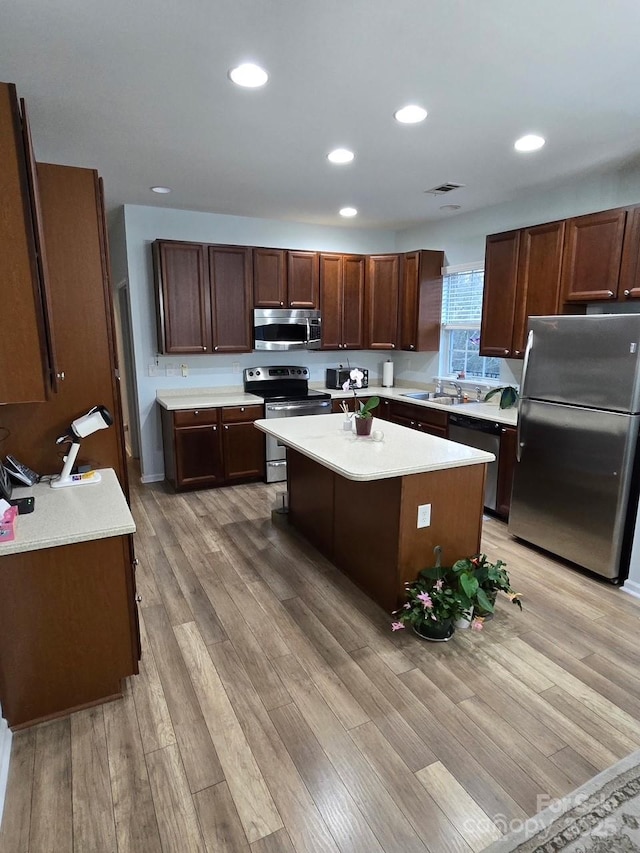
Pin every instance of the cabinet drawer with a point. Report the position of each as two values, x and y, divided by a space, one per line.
236 414
195 417
419 413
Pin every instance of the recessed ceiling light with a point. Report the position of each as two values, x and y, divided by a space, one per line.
340 155
450 207
530 142
161 190
348 211
411 114
248 75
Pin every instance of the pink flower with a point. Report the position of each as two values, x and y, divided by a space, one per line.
397 626
439 584
407 606
477 624
425 598
434 617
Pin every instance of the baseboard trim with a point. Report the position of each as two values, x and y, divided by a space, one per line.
631 588
151 478
5 755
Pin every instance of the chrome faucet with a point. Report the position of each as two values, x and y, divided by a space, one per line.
458 390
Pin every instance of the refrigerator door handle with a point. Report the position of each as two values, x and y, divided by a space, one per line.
518 445
525 363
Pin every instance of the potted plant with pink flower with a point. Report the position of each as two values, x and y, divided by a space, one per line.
432 607
362 411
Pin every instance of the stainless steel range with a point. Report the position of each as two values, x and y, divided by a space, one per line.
286 395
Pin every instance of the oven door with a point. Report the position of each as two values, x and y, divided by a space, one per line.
276 453
280 330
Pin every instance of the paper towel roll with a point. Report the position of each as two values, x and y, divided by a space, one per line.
387 374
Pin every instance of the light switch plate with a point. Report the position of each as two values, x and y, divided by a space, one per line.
154 370
424 515
172 369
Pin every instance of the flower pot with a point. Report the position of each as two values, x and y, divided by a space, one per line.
436 632
464 621
363 426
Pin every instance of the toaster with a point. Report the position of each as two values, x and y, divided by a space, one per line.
337 376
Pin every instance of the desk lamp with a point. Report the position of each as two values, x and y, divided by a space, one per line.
97 418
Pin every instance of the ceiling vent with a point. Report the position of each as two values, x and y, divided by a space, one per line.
441 189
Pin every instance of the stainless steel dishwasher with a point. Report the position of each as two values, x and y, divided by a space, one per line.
485 435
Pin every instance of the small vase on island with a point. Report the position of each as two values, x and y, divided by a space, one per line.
363 426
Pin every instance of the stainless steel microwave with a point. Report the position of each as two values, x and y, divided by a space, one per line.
282 329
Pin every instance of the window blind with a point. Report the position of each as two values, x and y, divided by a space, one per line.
462 298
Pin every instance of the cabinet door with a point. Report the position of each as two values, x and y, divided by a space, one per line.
431 429
198 456
592 255
499 300
230 278
539 269
22 378
630 270
353 302
243 451
384 410
303 273
382 290
421 301
269 283
506 467
182 297
331 267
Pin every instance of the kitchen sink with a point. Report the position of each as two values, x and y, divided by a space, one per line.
443 399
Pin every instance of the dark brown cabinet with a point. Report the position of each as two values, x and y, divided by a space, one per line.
522 279
26 341
381 301
419 417
592 256
342 301
204 448
421 300
629 285
506 468
243 445
285 279
203 298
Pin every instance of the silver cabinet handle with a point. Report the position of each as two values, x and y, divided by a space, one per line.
393 346
506 351
627 293
226 426
138 597
282 303
412 346
215 349
610 294
214 428
204 349
136 562
60 376
196 412
242 408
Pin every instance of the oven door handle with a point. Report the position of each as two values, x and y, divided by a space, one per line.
299 406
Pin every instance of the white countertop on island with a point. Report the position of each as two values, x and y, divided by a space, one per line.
70 515
401 452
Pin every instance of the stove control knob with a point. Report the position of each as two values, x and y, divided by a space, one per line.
251 373
257 373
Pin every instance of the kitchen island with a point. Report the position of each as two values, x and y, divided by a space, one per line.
357 500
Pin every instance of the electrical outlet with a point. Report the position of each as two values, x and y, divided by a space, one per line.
235 367
424 515
153 369
172 369
185 369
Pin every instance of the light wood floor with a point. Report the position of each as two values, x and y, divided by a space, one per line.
276 712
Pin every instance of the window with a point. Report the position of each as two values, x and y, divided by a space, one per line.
461 318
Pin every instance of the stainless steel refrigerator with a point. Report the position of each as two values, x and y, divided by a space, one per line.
575 488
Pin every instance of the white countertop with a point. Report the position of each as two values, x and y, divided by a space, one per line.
70 515
402 451
484 411
205 398
212 398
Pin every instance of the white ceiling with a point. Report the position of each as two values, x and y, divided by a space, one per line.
138 89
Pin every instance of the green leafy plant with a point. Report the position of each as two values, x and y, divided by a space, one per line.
508 396
491 578
352 384
429 601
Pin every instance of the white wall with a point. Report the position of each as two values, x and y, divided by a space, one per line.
142 226
5 754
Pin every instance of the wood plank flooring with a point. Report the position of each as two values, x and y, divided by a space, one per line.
275 712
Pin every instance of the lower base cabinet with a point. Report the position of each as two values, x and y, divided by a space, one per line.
205 448
425 420
68 628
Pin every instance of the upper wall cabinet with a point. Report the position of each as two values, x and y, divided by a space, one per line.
203 297
521 280
26 339
420 300
629 286
342 301
283 279
592 256
381 301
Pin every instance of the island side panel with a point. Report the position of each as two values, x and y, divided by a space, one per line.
366 531
311 500
456 496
